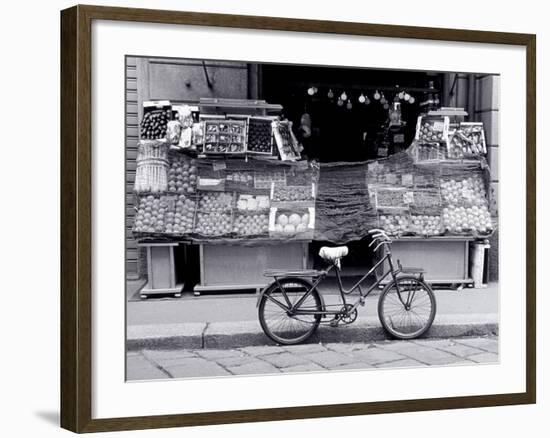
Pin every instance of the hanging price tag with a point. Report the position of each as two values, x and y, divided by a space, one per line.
407 180
219 165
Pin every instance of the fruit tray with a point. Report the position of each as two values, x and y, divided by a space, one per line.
156 115
216 202
264 180
182 174
225 137
464 191
213 224
180 215
297 223
281 193
430 152
260 136
467 141
251 225
239 180
393 198
287 144
252 204
426 200
432 129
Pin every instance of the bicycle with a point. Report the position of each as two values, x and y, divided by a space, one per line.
291 308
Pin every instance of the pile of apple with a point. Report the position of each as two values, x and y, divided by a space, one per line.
250 224
426 225
290 224
468 191
182 175
216 202
213 223
179 220
459 219
150 214
395 224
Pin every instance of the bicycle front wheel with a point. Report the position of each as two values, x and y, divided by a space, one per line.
281 321
406 308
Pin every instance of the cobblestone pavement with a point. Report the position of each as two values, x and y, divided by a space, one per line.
163 364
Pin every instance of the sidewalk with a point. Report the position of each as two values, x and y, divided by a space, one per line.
186 363
231 321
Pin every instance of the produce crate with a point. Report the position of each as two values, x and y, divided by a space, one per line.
432 129
212 209
239 180
390 198
426 201
156 115
287 144
395 224
260 135
248 224
210 224
428 152
295 223
293 194
182 174
224 137
467 141
180 215
264 180
248 203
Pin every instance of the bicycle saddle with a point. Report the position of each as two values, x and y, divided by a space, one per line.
333 255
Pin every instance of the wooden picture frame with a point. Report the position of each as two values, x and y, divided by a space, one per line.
76 217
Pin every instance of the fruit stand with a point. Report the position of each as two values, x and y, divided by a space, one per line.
434 200
228 178
231 184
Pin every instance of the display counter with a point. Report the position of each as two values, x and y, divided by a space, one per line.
226 267
445 259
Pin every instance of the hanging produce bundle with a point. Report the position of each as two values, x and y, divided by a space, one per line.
152 167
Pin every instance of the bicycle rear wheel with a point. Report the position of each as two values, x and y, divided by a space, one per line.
410 314
281 324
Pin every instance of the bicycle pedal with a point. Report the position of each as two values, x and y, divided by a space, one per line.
333 323
362 301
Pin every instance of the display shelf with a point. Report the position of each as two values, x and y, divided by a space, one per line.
161 272
445 259
227 268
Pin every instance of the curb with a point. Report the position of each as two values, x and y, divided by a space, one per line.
225 335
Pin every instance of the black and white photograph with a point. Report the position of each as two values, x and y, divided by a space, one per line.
287 218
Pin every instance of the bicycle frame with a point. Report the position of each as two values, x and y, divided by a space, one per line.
344 292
